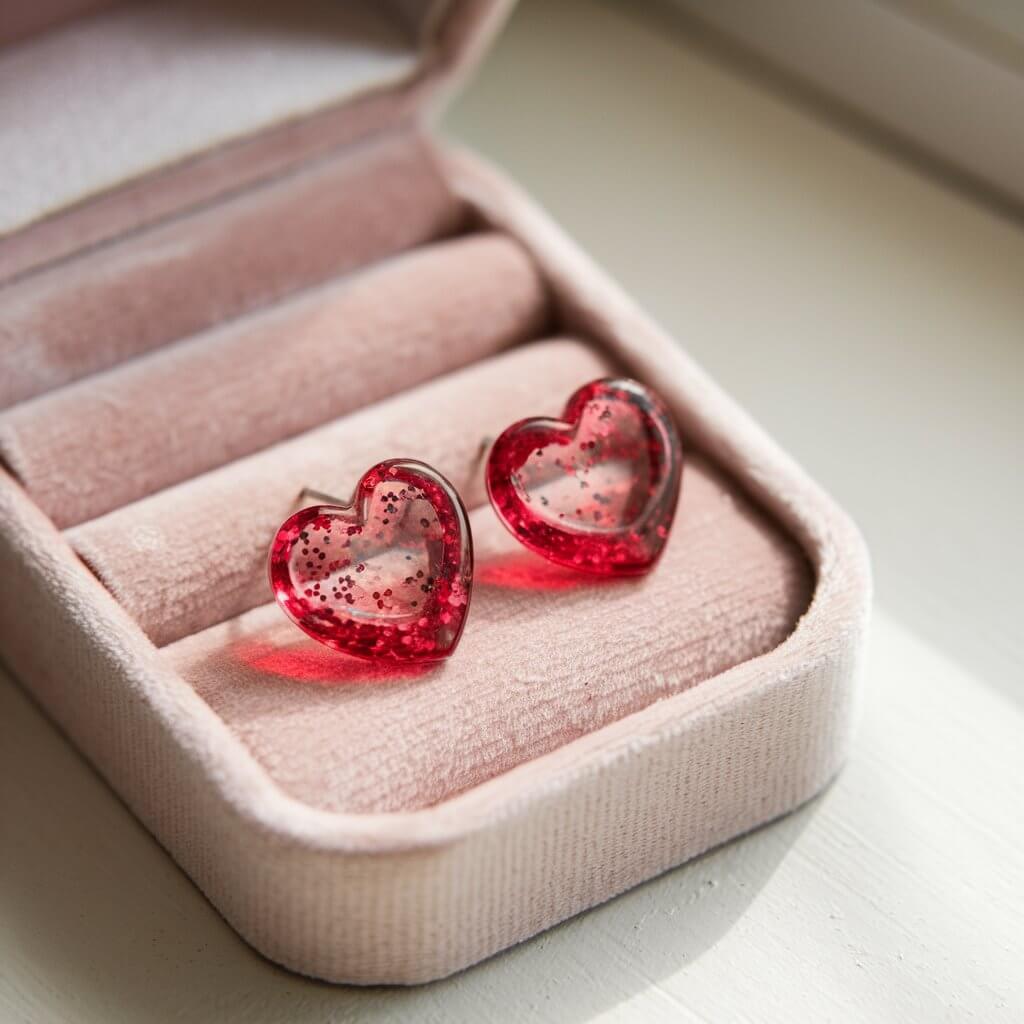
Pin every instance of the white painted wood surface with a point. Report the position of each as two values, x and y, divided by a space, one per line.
872 320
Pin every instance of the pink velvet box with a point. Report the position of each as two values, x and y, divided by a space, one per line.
276 291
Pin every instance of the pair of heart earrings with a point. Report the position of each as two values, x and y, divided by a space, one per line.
388 576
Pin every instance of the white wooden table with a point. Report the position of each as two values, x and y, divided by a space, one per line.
872 319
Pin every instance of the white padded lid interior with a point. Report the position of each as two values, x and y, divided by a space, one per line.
104 98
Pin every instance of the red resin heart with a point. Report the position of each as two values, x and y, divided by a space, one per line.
387 577
596 490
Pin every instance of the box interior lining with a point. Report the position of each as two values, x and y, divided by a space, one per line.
186 558
547 656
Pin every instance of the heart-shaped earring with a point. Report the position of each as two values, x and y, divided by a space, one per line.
386 576
596 490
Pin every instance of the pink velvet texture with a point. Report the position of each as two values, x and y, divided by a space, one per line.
171 451
189 564
109 439
168 559
546 657
144 290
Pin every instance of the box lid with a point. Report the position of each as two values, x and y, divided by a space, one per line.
114 115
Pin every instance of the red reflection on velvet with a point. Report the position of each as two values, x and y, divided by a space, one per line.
523 570
301 662
596 490
385 578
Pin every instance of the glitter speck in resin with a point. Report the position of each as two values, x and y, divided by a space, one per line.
596 490
386 578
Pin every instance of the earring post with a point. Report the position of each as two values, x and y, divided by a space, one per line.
319 496
481 452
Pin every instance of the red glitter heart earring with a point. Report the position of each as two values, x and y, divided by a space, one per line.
386 576
596 490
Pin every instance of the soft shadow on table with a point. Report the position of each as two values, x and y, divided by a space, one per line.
89 901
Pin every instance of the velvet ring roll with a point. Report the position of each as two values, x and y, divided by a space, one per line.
195 554
103 442
548 655
103 306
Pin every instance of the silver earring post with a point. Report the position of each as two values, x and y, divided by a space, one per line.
319 496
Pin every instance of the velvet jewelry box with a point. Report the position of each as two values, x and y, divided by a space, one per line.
234 263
